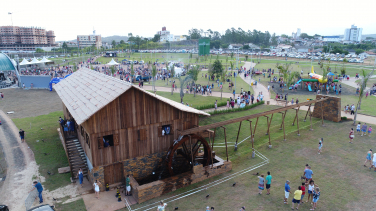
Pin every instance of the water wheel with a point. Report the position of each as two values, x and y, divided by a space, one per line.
184 153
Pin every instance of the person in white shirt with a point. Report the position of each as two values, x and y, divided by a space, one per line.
358 128
374 161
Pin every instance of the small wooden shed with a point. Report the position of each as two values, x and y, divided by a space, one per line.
117 123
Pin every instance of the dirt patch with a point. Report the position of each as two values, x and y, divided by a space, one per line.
29 103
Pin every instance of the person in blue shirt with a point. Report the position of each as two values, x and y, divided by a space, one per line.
308 173
39 188
287 192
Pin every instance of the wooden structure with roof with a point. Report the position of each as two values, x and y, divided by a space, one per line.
117 121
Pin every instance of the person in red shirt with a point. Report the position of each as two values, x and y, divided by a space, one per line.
303 192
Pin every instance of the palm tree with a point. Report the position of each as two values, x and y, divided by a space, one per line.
193 73
154 73
183 83
361 91
283 69
132 72
223 79
112 68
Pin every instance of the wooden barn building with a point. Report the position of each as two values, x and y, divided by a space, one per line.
120 128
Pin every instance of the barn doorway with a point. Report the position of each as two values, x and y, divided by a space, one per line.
113 173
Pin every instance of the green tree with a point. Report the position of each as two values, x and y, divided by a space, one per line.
39 50
112 69
194 34
65 46
122 42
283 69
154 73
113 43
193 73
156 38
183 84
132 72
246 57
359 51
363 85
232 55
216 69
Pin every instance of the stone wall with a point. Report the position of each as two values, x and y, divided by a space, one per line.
97 173
331 107
155 189
142 167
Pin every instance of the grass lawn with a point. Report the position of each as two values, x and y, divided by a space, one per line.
240 83
51 145
344 183
370 82
77 205
199 100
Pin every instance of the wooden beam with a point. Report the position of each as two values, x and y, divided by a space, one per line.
322 115
237 137
252 140
267 123
309 109
297 120
225 141
230 121
270 122
283 125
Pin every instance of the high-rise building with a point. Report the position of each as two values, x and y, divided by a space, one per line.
353 34
298 32
25 38
84 41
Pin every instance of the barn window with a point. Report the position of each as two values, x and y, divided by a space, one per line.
108 141
166 130
82 131
87 139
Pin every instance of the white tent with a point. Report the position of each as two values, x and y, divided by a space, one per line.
112 62
25 62
35 61
44 60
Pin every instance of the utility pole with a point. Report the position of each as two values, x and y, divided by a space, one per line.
11 18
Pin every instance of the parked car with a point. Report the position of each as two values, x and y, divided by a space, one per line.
135 62
44 207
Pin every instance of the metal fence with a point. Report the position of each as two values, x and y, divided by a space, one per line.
30 199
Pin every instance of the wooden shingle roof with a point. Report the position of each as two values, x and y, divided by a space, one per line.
86 91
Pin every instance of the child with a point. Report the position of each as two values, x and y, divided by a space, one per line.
311 186
303 192
351 135
364 129
320 144
316 196
358 128
369 130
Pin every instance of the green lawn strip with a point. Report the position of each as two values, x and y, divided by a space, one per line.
240 83
340 176
51 145
236 109
77 205
199 102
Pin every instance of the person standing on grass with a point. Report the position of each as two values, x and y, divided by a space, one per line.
228 104
364 129
39 188
311 186
308 173
261 183
316 196
358 128
321 141
369 131
369 158
297 101
374 161
352 108
215 105
351 135
161 206
22 135
297 198
287 192
268 183
303 192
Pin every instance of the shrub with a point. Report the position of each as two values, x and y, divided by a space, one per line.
344 118
236 109
210 106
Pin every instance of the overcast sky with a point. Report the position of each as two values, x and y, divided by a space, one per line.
70 18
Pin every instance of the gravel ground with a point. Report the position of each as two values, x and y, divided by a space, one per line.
28 103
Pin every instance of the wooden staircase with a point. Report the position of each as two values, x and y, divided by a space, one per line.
76 156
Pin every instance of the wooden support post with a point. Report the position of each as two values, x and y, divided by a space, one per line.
309 109
283 116
270 122
297 119
225 141
215 129
283 125
254 131
293 123
237 137
211 151
190 143
252 139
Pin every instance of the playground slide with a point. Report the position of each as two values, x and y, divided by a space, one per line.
309 88
296 84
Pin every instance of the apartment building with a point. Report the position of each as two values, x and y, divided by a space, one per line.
25 38
353 34
84 41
